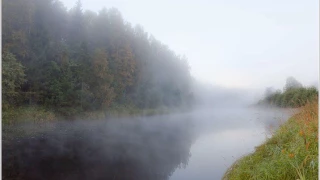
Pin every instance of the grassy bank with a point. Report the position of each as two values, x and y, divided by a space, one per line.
39 114
291 153
27 114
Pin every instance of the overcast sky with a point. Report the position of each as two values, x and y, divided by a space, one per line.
231 43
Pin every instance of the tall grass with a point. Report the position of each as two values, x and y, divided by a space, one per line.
35 114
40 114
291 153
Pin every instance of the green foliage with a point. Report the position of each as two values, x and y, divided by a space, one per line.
79 61
294 96
12 78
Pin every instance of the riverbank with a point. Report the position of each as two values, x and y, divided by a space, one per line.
40 114
291 153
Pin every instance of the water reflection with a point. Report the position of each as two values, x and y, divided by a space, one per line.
224 135
200 144
122 149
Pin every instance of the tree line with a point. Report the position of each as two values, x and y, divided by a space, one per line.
75 60
294 94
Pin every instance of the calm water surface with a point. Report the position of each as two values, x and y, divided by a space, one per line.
200 144
224 135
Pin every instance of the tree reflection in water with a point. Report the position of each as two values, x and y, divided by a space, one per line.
119 149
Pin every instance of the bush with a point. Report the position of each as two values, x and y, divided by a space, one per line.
294 97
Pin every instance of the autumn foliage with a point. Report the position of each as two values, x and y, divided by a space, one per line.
75 60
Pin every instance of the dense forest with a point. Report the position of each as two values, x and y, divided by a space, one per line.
294 95
75 60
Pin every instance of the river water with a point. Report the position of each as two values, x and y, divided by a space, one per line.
199 144
224 135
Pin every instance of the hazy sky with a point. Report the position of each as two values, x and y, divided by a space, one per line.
232 43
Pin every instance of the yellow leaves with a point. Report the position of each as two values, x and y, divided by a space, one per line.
291 155
104 78
100 64
301 133
125 65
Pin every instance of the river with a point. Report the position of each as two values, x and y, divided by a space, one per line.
225 135
199 144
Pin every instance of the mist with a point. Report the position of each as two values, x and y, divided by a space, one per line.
120 149
90 93
172 146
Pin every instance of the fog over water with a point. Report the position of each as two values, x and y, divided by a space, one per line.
198 144
224 135
208 63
